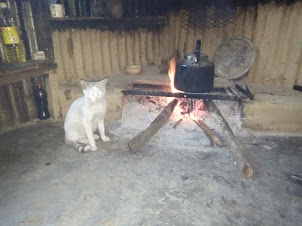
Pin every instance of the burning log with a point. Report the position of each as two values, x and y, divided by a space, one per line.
158 122
235 147
210 134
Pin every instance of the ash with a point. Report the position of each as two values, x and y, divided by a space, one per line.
140 111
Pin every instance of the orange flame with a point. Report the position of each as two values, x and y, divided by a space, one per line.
171 73
192 116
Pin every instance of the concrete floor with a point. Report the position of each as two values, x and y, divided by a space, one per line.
43 181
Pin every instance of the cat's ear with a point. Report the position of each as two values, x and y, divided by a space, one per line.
103 82
84 84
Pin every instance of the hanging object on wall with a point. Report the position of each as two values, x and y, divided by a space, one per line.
198 14
234 57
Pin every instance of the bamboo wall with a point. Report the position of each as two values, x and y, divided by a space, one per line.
275 30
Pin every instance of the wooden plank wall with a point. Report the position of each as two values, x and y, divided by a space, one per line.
92 54
274 29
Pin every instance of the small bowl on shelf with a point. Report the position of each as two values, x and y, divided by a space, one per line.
133 69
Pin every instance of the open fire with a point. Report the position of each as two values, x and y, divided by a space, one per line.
186 108
171 73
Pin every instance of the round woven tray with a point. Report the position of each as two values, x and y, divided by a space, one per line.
234 57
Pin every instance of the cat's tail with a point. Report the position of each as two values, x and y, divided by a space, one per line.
77 146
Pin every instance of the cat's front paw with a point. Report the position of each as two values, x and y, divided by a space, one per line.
105 138
94 148
95 136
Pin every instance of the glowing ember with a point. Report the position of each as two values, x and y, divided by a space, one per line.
177 113
171 73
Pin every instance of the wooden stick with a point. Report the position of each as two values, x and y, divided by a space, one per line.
158 122
235 147
210 134
177 123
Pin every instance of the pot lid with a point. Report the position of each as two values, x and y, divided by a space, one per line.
234 57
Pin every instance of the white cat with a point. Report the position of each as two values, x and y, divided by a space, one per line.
85 115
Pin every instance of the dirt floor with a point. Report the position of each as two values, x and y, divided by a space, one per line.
43 181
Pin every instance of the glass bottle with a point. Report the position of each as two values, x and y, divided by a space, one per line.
42 103
14 51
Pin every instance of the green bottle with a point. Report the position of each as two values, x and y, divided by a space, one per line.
14 51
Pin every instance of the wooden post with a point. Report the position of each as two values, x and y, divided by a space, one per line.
41 17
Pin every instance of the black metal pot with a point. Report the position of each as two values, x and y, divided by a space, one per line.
194 73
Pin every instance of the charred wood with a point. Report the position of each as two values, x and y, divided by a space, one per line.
177 123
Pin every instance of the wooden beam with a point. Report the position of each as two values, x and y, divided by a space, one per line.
11 73
106 23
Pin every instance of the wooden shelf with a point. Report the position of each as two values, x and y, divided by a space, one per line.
11 73
106 23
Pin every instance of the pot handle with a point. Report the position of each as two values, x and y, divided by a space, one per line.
197 50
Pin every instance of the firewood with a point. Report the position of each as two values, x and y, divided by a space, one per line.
235 147
158 122
177 123
210 134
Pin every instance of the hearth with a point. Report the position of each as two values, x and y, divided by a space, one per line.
189 75
187 105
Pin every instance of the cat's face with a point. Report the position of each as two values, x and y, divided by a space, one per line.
94 91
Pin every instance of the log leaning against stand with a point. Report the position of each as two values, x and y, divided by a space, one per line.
235 147
210 134
158 122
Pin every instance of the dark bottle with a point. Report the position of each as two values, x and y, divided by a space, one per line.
41 100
